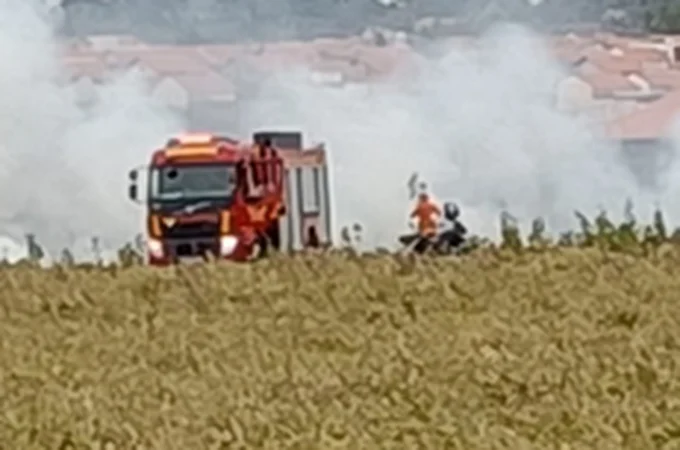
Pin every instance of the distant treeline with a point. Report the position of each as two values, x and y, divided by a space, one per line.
195 21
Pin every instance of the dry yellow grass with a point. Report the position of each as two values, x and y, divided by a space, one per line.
557 349
564 348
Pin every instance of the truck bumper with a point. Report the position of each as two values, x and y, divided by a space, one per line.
179 251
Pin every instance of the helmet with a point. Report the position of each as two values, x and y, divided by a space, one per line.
451 211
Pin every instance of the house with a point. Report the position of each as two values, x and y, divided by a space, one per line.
648 137
613 81
178 77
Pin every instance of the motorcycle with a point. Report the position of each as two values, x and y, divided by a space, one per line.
449 240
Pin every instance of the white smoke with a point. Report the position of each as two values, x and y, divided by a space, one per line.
63 168
480 125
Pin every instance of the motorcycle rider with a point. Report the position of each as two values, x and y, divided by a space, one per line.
426 214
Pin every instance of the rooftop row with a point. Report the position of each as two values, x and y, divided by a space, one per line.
630 83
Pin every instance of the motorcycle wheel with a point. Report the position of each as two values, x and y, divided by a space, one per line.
422 246
444 247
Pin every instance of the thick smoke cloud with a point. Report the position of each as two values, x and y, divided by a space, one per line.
479 125
63 167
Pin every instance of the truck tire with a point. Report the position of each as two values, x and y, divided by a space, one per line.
260 248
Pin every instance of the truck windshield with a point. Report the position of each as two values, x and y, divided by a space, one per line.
193 182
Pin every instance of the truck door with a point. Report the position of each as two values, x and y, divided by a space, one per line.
308 219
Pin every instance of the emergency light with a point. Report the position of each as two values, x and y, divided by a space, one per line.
191 151
195 139
191 145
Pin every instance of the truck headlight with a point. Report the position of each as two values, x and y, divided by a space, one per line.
228 245
155 248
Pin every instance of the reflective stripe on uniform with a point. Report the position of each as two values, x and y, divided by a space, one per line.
257 213
274 210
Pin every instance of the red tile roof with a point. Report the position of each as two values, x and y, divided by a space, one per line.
202 69
277 56
219 54
385 61
206 86
650 122
360 62
606 84
567 50
646 55
605 60
89 65
661 78
622 58
164 60
354 58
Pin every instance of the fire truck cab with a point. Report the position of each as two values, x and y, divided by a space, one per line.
209 195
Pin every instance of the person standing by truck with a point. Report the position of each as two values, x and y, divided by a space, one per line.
264 170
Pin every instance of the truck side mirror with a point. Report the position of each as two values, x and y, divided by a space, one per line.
242 177
133 174
132 192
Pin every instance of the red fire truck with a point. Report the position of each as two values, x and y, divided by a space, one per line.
213 196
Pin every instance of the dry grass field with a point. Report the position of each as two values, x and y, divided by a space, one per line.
544 348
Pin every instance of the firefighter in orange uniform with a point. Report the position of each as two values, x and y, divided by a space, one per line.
273 170
426 213
255 174
261 152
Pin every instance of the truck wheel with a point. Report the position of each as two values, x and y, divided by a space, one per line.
444 247
263 245
422 246
260 248
313 240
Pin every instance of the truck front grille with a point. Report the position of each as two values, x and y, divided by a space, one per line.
192 230
188 248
